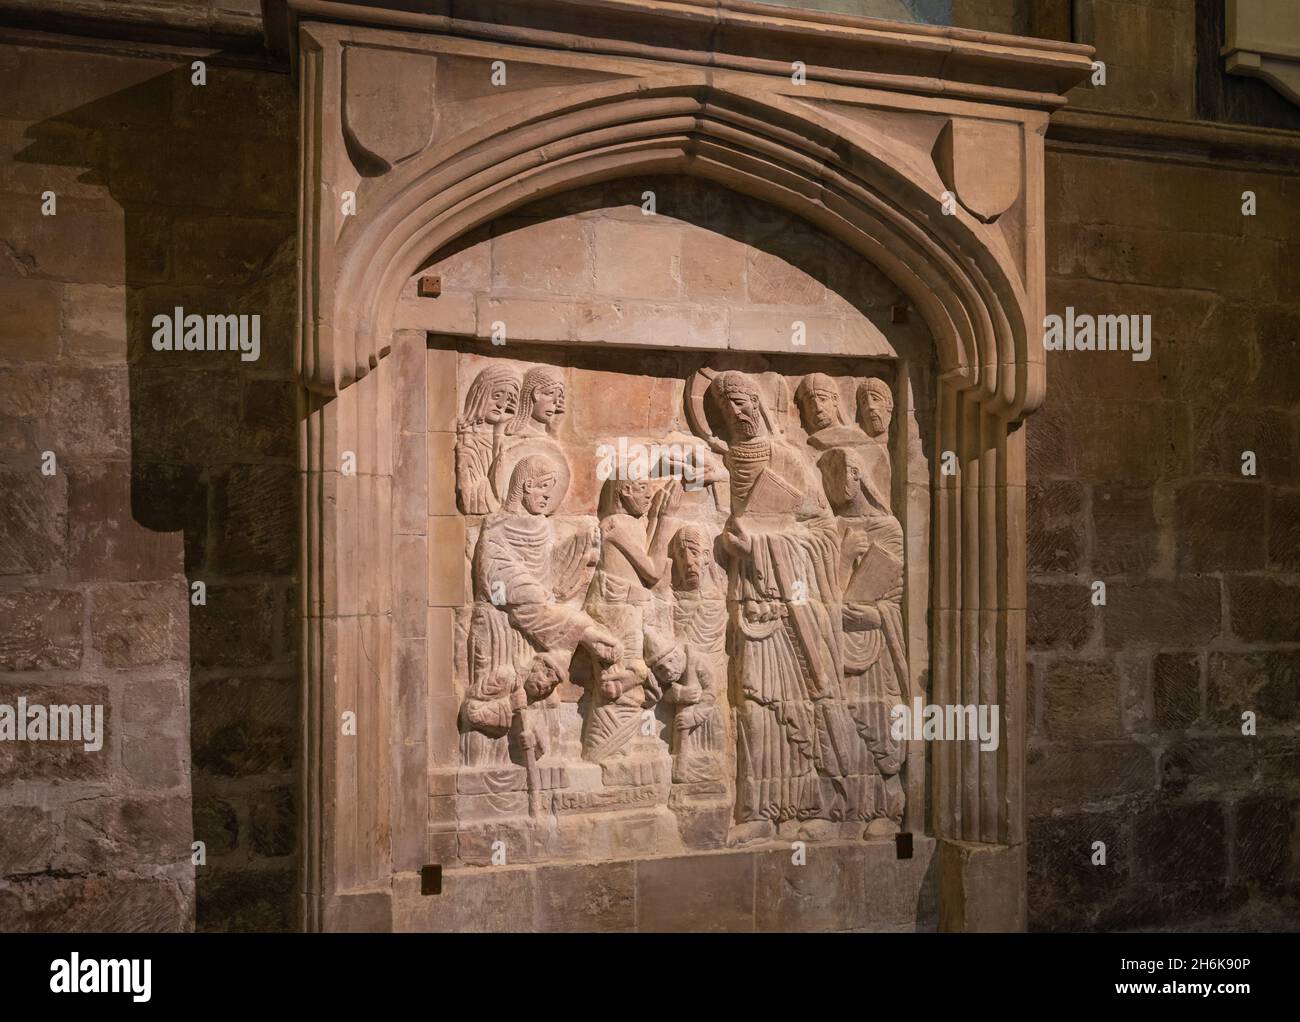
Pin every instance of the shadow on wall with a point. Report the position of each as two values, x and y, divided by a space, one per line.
205 177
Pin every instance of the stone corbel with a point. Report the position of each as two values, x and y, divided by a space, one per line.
1263 41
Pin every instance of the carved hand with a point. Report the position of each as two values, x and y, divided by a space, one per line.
861 616
737 540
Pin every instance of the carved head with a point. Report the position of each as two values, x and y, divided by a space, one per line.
842 474
493 396
544 675
741 405
541 401
692 555
875 407
819 402
537 485
625 496
667 659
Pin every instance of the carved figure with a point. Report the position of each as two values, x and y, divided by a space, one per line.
522 573
786 649
634 535
490 405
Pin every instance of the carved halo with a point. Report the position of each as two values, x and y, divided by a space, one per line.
514 453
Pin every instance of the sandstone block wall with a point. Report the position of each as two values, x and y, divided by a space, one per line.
171 468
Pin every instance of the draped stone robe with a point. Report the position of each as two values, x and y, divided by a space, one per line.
794 736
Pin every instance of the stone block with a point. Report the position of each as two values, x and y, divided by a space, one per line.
272 822
1176 690
255 900
1284 530
1060 616
1263 837
38 762
106 541
236 628
29 319
638 260
1181 842
1183 611
589 898
696 893
139 624
104 835
827 891
1266 683
1125 536
244 726
1081 700
42 630
1056 525
552 257
255 514
1221 526
33 520
216 824
28 839
1264 609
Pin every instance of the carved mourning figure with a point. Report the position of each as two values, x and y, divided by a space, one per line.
795 738
490 405
520 628
870 570
541 403
634 534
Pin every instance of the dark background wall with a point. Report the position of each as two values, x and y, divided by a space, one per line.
174 468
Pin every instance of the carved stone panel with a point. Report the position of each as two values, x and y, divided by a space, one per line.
686 624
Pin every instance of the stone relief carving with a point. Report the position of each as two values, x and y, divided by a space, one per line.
734 631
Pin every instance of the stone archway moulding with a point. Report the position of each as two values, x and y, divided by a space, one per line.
919 148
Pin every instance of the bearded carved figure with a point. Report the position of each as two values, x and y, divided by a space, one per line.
795 739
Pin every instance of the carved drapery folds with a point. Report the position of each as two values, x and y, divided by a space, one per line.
766 697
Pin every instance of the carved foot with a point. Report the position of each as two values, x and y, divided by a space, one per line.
880 827
816 830
750 833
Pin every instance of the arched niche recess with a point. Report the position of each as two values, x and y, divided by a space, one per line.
920 149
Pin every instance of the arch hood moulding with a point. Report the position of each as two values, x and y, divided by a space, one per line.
920 149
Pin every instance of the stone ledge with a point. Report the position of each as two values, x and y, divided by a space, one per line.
848 886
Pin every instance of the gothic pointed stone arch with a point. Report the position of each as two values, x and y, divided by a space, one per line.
854 155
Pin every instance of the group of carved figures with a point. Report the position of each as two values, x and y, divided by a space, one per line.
793 658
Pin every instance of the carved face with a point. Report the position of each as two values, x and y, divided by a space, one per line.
548 403
671 667
690 559
540 493
541 680
821 408
744 418
635 497
876 413
502 402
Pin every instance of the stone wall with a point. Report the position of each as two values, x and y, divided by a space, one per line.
1135 479
171 467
